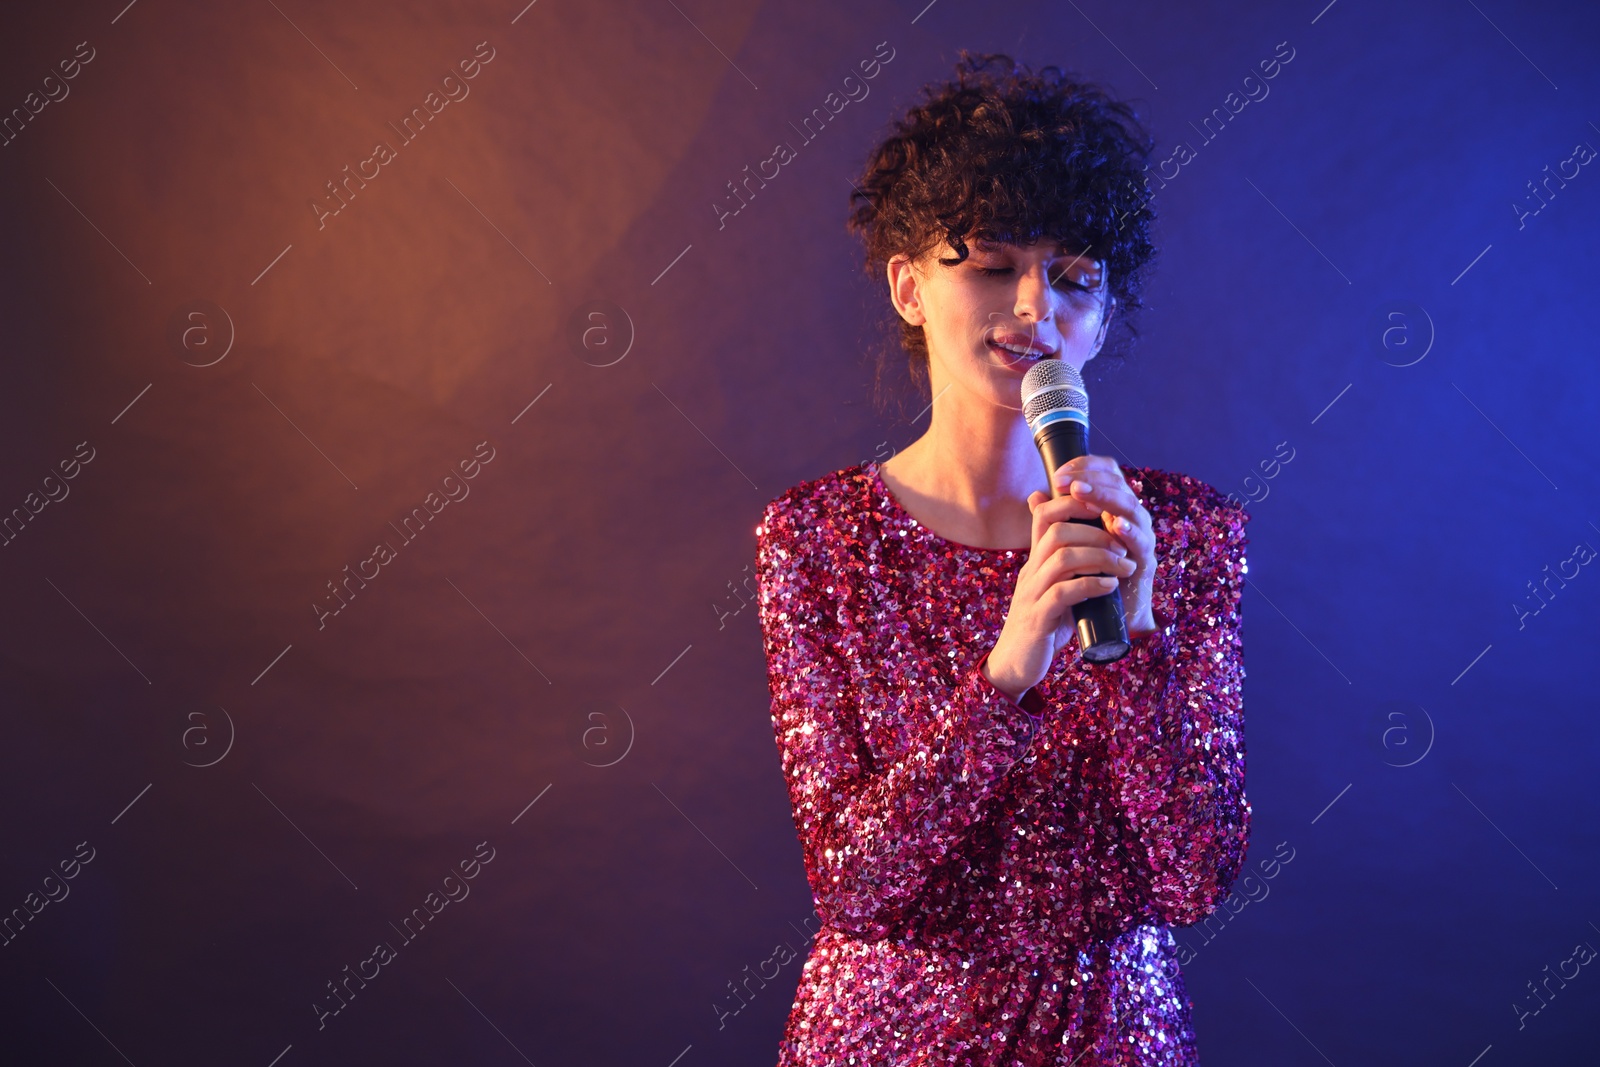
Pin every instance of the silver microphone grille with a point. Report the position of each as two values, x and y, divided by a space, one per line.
1052 390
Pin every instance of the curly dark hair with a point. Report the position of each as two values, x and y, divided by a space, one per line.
1005 154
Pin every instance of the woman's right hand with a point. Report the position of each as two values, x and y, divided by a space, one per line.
1059 572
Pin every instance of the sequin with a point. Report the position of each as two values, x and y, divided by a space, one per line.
996 886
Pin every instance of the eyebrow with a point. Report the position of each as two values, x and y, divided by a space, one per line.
985 244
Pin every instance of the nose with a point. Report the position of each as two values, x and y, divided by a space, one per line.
1035 299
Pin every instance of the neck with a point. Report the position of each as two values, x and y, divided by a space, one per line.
968 477
980 460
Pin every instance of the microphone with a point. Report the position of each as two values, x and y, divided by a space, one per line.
1056 408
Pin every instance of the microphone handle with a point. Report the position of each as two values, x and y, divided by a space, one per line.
1101 622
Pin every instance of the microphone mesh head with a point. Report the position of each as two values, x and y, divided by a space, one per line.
1052 385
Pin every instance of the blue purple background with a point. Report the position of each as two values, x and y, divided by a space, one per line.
1344 278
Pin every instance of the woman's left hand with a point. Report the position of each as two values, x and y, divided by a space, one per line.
1097 483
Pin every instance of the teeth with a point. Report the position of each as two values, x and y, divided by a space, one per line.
1018 349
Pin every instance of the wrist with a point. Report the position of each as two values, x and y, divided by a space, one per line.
1001 680
1149 622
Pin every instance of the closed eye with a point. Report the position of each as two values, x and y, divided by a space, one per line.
1060 279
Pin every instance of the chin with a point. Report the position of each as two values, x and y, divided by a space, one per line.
1011 372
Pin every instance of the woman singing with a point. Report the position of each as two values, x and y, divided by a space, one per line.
997 834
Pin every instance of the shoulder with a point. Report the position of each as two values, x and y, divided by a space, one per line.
806 513
1185 506
803 554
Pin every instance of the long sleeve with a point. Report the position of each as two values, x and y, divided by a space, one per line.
1176 746
871 830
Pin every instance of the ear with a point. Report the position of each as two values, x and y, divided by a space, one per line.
905 290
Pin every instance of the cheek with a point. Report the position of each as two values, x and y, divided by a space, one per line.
1081 322
951 314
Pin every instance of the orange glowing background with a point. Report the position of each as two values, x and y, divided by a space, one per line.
427 523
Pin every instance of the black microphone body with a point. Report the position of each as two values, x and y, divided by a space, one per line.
1101 621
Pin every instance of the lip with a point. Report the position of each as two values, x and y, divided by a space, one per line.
1036 349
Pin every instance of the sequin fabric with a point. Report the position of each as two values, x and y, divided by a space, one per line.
996 887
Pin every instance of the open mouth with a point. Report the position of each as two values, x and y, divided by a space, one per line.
1018 354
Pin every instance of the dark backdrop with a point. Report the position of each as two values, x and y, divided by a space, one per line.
1363 323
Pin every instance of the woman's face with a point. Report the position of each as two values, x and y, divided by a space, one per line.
992 316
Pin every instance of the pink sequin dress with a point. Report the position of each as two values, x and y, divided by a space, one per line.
996 885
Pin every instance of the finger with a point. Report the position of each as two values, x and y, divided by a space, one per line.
1048 510
1103 496
1067 477
1076 470
1112 501
1089 462
1060 598
1094 485
1120 509
1099 503
1062 508
1082 562
1036 499
1063 535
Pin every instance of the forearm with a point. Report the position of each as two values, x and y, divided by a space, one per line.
872 839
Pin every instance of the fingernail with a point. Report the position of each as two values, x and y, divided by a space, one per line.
1082 487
